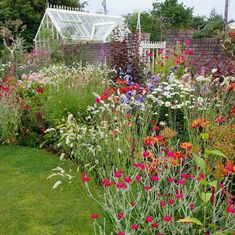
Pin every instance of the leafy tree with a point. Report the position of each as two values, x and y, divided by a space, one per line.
173 14
31 13
148 24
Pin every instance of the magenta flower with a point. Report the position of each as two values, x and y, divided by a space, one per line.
107 183
191 206
94 216
179 195
167 218
155 178
184 176
117 174
187 42
170 180
146 154
181 181
149 219
138 178
147 187
120 233
162 203
132 203
121 185
120 215
171 201
134 226
154 225
231 209
127 180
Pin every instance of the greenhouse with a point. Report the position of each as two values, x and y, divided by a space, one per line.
72 26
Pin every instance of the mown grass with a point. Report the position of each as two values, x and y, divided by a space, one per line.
29 205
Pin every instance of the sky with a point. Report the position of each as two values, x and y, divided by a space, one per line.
122 7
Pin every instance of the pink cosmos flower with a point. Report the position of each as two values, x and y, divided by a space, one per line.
162 203
155 178
120 215
171 201
94 216
167 218
149 219
127 180
170 180
134 226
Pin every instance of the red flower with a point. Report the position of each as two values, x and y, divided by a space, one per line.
154 225
149 219
156 128
134 226
171 201
181 182
163 203
187 42
107 183
117 174
147 187
170 180
127 180
97 100
179 195
121 185
191 206
231 34
146 154
138 178
85 178
94 216
132 203
4 89
167 219
40 90
155 178
120 233
120 215
231 209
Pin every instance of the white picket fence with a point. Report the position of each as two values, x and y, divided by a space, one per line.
149 51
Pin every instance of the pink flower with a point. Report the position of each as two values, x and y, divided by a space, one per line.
170 180
94 216
154 225
132 203
146 154
97 100
127 180
138 178
120 233
159 195
163 203
147 187
170 154
231 210
117 174
160 234
187 42
107 183
85 178
179 195
134 226
120 215
191 206
155 178
220 120
171 201
181 182
121 185
167 218
149 219
184 176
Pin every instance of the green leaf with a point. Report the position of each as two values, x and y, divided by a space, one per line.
205 136
204 182
190 220
229 231
213 184
200 162
206 197
215 153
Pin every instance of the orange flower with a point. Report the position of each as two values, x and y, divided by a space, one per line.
231 87
152 140
179 155
200 122
186 145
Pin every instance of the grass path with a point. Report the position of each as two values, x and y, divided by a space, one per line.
29 205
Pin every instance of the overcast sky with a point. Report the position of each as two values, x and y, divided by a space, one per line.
122 7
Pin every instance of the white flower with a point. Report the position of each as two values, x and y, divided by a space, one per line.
120 151
62 156
162 123
167 104
214 71
70 118
57 184
49 130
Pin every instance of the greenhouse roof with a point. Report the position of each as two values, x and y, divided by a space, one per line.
84 26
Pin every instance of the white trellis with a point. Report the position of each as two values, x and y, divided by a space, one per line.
149 51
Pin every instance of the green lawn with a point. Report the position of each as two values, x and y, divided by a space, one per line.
29 205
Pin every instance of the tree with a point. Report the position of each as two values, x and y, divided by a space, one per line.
31 13
172 14
148 24
10 32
